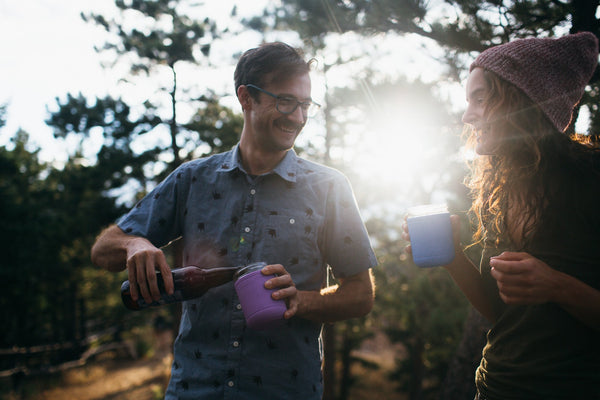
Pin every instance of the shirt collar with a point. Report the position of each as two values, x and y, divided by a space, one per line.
286 169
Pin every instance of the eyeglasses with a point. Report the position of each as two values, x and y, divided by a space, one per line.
287 105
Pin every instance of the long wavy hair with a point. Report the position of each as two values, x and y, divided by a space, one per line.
528 172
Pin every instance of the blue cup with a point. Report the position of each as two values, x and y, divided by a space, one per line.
430 233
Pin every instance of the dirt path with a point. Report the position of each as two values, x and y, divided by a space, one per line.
117 376
123 378
143 379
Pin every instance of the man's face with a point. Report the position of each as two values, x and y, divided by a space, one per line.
273 130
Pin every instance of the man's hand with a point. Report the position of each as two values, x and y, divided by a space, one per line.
287 290
143 259
114 250
352 298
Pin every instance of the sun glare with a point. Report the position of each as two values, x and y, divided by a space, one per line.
397 148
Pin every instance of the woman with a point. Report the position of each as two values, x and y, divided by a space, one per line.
536 193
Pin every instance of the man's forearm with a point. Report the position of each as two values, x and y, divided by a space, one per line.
353 298
110 249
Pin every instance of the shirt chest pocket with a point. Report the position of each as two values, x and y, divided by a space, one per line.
290 239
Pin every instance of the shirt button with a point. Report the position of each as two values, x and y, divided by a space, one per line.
247 229
292 221
230 383
238 306
252 191
236 344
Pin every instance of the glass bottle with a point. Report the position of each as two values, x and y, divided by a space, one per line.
189 282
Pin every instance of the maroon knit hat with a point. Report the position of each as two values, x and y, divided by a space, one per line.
552 72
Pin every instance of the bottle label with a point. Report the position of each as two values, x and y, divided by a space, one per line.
177 296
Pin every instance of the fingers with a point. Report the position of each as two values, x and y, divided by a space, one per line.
281 281
512 256
512 288
406 237
514 273
286 290
133 285
292 307
165 271
141 271
512 284
522 278
512 263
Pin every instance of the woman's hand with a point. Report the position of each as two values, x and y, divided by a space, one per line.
524 279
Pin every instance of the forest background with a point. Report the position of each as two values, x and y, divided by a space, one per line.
389 78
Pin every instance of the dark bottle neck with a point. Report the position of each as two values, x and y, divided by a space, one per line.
194 281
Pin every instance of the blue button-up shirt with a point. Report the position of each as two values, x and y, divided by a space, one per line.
302 215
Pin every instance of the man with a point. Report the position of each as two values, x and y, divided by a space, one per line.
258 202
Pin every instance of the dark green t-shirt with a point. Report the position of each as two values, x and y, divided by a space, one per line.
542 351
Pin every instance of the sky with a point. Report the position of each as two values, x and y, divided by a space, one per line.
48 51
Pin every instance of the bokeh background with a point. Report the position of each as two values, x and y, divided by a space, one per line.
100 100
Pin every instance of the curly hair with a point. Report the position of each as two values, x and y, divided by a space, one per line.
528 172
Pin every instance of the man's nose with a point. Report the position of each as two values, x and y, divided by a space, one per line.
298 115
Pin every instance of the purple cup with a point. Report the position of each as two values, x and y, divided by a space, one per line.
260 309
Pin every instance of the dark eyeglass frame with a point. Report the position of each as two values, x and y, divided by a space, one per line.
304 105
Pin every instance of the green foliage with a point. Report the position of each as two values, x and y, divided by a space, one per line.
51 214
169 36
422 309
3 115
50 218
166 36
215 126
116 161
460 27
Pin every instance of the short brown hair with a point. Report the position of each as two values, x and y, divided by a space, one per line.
277 59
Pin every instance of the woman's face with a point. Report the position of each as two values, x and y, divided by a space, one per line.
477 92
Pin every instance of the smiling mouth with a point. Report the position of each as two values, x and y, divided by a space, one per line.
481 132
288 128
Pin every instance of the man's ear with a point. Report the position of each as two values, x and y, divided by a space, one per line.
244 97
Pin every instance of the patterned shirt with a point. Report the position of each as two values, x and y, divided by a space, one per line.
302 215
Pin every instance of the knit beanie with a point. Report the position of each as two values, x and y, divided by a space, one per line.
552 72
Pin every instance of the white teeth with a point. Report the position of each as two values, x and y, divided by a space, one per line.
289 130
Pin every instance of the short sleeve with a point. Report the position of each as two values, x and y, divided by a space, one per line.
156 216
347 247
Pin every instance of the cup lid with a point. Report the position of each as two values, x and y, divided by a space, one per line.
427 209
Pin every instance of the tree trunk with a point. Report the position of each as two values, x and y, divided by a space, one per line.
416 381
329 381
173 123
346 381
